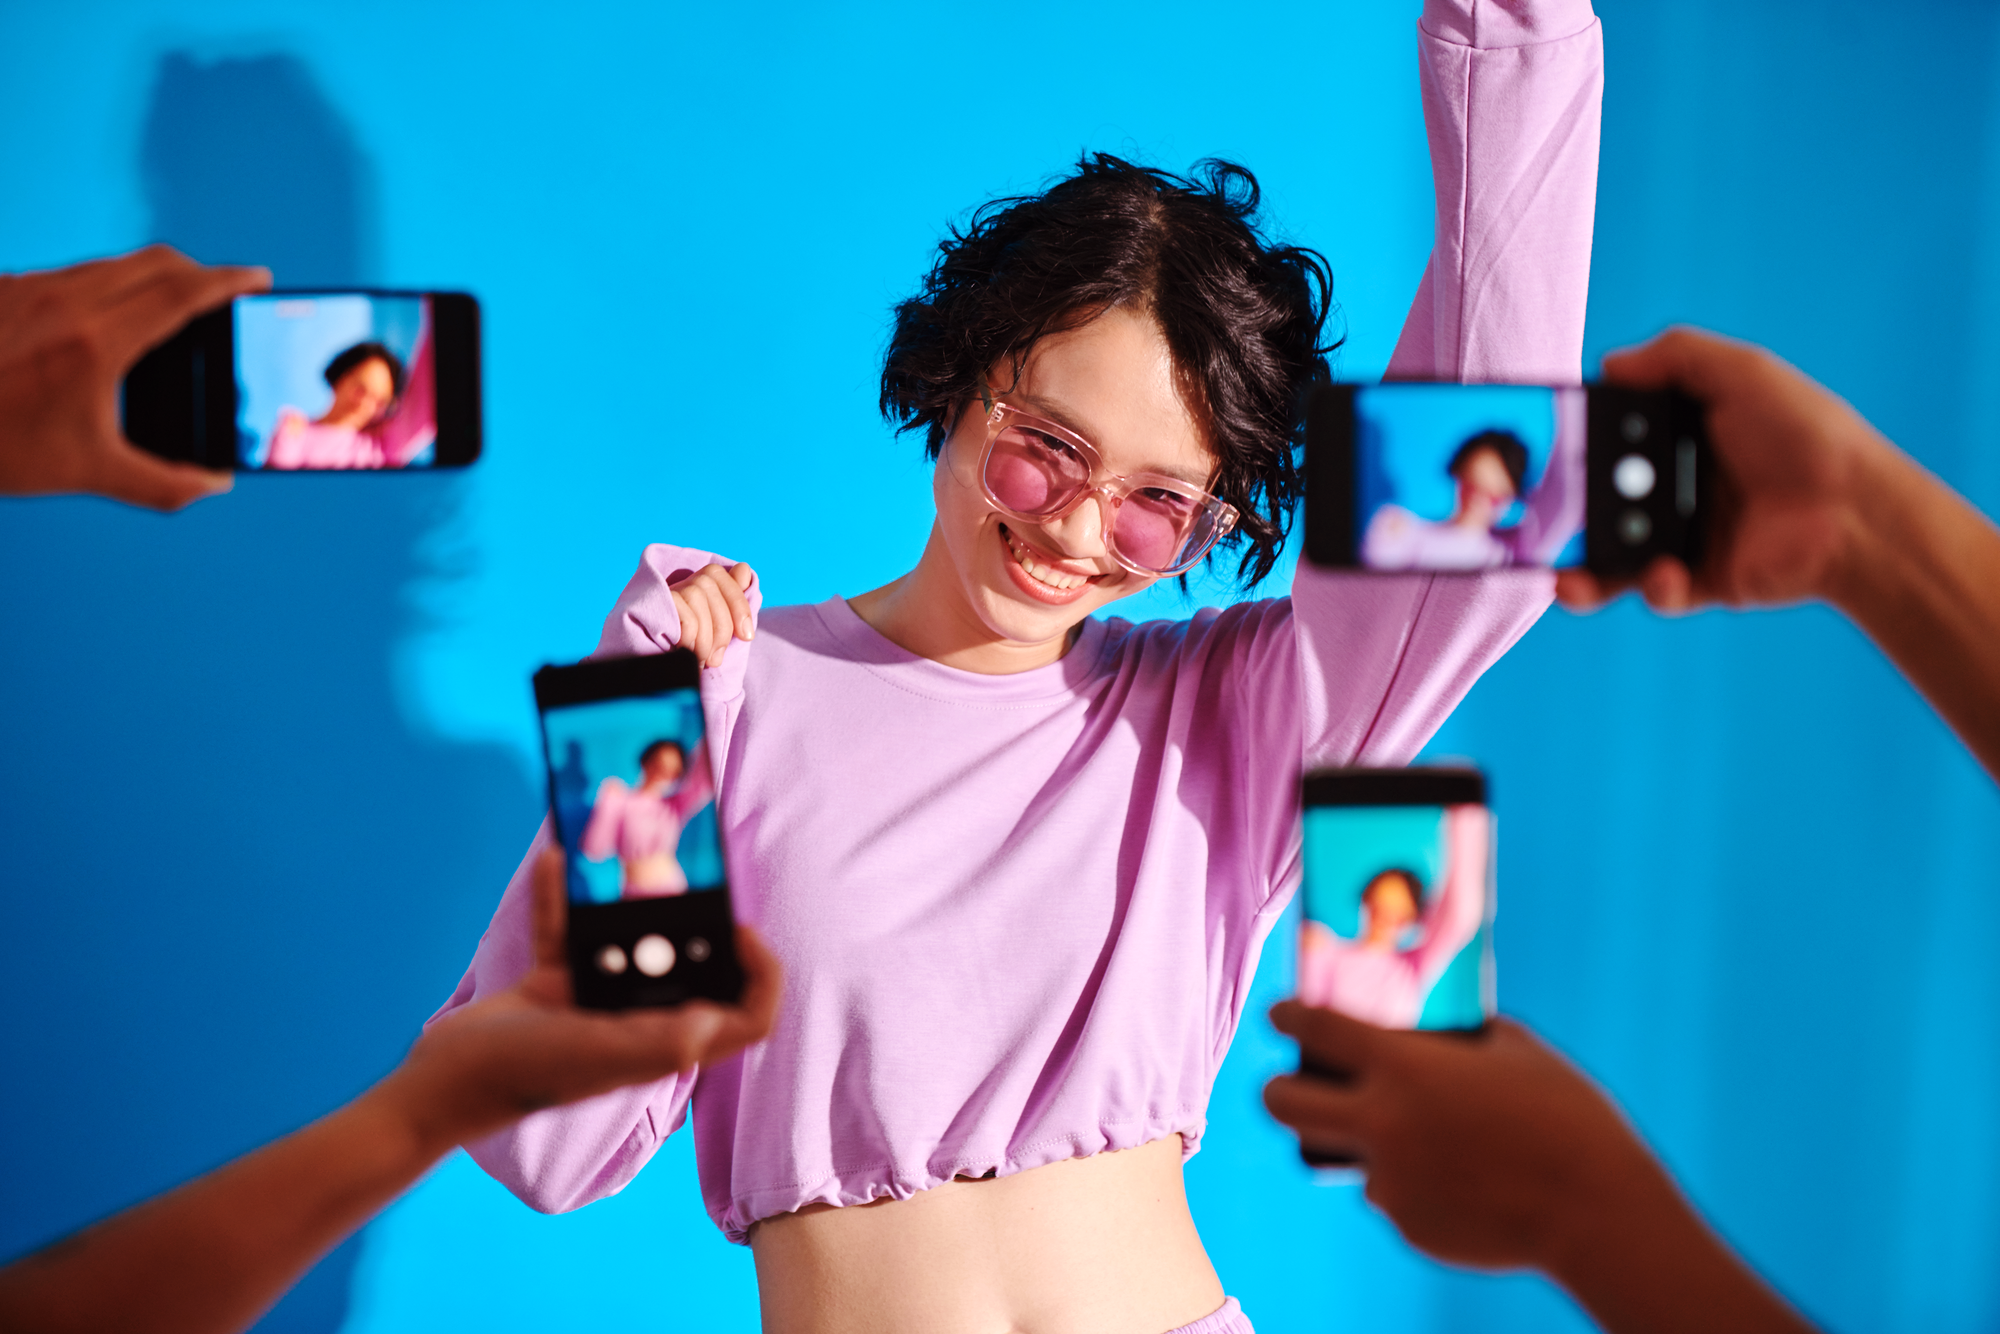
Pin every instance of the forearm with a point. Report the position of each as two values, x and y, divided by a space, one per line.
1920 574
1645 1263
1511 98
213 1255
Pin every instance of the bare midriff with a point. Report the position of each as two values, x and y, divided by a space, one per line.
1100 1245
654 873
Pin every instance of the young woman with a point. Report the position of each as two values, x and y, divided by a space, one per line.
381 415
642 825
1017 938
1489 472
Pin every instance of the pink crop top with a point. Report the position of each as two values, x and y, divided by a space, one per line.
1019 914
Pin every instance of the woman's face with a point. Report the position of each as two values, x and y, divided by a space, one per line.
664 767
1485 489
1112 382
1392 909
362 395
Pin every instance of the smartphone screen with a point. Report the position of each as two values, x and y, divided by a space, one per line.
1469 477
1397 906
314 382
1410 476
632 794
343 380
1398 897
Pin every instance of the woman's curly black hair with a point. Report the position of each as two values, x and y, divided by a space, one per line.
1243 318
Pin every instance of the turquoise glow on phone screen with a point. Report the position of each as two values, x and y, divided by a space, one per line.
1397 921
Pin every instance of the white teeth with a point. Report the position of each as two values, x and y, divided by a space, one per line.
1057 579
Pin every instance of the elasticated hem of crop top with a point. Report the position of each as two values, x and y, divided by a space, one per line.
866 1183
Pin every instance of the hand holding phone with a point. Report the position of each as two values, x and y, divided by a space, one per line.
632 793
1456 478
67 338
1789 459
476 1068
1397 904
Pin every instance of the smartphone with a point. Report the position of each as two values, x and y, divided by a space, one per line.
313 382
1411 475
632 792
1396 925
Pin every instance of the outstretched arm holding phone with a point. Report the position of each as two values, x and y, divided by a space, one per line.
1492 1151
1814 503
67 337
214 1254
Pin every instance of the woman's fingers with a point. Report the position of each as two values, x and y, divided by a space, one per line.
733 587
721 620
693 610
714 610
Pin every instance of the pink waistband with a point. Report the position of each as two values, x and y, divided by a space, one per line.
1227 1318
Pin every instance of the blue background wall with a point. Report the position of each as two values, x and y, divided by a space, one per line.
265 765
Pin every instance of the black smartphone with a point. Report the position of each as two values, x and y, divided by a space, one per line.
314 381
1396 923
632 793
1412 475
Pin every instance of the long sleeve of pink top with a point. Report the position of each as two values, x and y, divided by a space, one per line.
1019 915
1454 915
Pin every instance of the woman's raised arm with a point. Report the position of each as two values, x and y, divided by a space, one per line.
1511 104
1455 912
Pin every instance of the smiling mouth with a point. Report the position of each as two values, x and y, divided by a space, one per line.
1058 582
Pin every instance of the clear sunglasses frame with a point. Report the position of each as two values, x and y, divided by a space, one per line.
1113 490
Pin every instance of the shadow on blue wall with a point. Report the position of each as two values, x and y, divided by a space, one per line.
245 161
225 734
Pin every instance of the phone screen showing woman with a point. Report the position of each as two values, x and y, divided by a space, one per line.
1398 897
335 381
632 795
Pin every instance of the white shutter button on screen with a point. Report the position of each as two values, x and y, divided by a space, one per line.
653 955
1634 477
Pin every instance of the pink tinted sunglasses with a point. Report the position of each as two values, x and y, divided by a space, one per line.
1034 471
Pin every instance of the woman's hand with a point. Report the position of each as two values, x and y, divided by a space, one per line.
67 337
486 1066
713 610
1791 460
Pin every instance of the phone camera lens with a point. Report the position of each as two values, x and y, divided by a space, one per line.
1634 527
1634 477
611 960
654 955
696 948
1633 428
